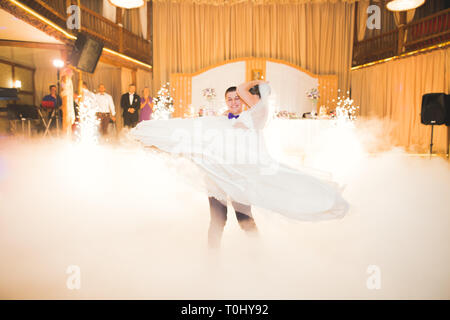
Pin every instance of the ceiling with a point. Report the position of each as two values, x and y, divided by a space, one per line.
12 28
31 57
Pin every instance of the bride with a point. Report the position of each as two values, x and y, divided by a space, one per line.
233 156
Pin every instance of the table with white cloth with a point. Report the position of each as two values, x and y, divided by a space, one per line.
296 134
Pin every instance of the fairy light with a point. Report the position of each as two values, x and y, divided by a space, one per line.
163 103
88 123
345 109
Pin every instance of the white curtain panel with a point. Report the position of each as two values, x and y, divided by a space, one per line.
143 18
109 11
43 78
289 87
46 73
220 79
143 79
126 79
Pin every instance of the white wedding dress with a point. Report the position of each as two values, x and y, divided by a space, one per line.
234 158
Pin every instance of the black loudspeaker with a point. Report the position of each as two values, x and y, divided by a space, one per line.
86 53
435 109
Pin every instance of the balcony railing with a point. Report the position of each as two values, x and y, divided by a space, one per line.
113 36
426 32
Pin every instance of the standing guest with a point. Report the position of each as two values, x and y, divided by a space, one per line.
130 103
146 106
106 109
49 102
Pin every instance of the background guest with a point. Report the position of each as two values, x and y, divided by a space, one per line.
145 113
106 109
49 102
130 103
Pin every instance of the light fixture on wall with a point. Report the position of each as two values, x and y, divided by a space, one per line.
17 84
58 63
127 4
403 5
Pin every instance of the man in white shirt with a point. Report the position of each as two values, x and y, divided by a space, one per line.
106 110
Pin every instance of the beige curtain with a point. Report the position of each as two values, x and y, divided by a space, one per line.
94 5
43 78
409 16
109 11
143 19
132 21
362 18
143 79
393 91
188 37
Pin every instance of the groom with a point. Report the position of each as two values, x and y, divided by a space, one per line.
218 208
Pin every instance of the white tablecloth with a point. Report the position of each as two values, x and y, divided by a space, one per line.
297 135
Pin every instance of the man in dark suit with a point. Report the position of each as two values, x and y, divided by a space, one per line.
130 103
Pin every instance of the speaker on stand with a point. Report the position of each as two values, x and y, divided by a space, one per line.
436 111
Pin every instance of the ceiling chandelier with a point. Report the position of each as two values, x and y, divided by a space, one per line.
403 5
127 4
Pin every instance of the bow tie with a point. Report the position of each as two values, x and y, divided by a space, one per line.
231 116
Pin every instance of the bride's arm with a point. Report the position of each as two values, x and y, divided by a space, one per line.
244 92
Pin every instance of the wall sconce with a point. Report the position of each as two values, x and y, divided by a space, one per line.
57 63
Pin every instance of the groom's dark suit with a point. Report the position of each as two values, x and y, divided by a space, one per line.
219 217
130 119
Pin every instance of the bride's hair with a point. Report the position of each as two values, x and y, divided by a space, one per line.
255 91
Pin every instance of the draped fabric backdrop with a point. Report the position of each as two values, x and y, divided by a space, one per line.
189 35
132 21
393 92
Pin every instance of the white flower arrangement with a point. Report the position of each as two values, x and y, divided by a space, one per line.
209 93
313 94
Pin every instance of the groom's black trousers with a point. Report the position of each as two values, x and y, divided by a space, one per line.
219 218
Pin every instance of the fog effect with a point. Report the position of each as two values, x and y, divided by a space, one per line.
135 224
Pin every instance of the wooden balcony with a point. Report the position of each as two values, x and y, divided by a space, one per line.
424 33
112 35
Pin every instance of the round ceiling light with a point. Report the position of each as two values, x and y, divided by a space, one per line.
403 5
127 4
